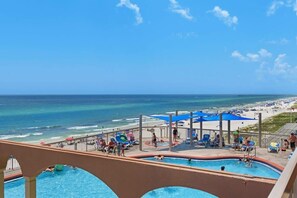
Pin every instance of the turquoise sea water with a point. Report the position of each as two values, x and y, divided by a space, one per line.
33 118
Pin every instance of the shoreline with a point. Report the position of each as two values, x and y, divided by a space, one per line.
257 107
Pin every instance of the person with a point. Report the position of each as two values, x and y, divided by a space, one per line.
50 169
222 168
246 141
285 145
236 140
175 134
189 160
119 146
292 140
123 150
111 146
154 140
159 157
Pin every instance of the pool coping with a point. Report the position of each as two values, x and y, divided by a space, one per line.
258 159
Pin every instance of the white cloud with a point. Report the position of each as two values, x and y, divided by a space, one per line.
276 4
252 57
176 8
237 54
282 68
282 41
224 16
133 7
264 53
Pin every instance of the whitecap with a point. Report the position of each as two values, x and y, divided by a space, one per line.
55 138
6 137
132 119
37 133
117 120
82 127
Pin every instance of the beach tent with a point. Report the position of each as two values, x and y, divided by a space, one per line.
227 117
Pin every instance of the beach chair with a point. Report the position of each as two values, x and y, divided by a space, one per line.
274 147
205 140
194 137
248 147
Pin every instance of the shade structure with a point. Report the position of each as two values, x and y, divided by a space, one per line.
181 117
200 119
227 116
201 114
174 118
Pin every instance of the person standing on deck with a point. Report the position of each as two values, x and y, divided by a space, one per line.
292 140
175 134
154 140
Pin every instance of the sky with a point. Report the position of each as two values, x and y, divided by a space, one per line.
148 47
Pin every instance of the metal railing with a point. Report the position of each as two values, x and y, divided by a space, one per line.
286 185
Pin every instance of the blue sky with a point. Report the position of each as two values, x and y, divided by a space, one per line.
141 46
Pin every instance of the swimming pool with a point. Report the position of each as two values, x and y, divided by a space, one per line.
81 184
231 165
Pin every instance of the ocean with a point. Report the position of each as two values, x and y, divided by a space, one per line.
47 118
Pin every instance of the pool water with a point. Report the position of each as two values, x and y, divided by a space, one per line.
67 183
231 165
81 184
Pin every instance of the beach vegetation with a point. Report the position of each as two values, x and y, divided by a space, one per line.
274 123
294 105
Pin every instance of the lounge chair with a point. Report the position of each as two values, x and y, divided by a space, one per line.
194 137
274 147
205 140
249 147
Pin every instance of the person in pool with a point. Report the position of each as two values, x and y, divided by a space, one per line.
159 157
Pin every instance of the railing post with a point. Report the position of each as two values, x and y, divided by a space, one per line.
176 122
260 130
87 143
191 128
30 187
2 182
221 130
201 127
170 132
229 131
140 132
